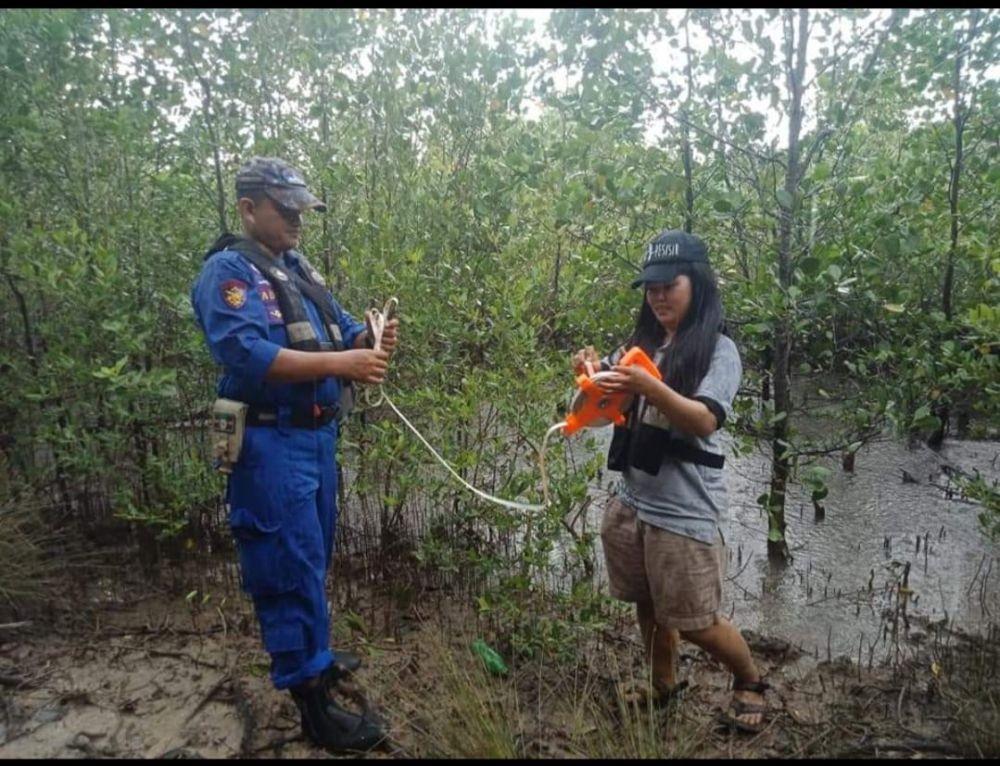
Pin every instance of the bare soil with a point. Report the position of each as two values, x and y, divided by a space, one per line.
156 675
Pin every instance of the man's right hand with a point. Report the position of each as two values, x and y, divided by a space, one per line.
364 365
586 355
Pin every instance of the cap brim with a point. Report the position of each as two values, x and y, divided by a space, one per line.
296 198
660 272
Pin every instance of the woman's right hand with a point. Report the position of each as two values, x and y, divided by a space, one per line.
364 365
585 356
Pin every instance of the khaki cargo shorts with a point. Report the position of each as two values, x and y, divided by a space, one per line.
681 577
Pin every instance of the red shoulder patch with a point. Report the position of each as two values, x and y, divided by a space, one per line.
234 293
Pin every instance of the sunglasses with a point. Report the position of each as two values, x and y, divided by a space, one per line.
291 215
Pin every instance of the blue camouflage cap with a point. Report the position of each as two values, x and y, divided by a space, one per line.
280 181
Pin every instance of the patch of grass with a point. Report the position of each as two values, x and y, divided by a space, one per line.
618 719
459 710
37 562
542 709
26 575
970 687
977 723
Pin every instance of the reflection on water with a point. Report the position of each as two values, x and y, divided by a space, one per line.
873 522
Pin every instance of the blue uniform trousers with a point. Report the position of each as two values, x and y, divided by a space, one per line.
283 512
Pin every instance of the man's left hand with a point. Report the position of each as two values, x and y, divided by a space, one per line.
390 335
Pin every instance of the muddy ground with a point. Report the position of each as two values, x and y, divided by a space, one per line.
153 674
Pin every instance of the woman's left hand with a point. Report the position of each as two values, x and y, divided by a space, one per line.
632 378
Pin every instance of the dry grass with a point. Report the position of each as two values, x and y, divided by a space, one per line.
36 561
26 575
977 723
619 719
454 709
970 688
448 706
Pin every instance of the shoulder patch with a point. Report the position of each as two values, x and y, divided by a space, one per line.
234 293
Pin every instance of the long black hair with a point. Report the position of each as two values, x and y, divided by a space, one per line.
690 352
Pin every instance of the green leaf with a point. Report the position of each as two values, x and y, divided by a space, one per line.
784 199
355 622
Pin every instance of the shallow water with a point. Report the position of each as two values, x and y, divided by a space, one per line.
873 520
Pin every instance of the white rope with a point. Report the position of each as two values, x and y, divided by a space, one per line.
541 459
376 321
483 495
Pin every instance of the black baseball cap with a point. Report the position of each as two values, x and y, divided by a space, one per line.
280 181
666 252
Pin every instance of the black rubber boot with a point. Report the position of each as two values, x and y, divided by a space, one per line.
332 727
345 664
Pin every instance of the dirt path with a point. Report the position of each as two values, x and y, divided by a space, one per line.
153 680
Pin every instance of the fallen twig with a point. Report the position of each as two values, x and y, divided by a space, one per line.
208 697
16 682
278 743
916 745
182 656
167 742
245 711
146 630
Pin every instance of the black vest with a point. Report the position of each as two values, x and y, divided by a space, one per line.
289 288
645 447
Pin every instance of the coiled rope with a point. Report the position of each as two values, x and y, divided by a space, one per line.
376 322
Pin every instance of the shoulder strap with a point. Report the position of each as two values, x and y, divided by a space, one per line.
222 243
301 335
289 288
313 287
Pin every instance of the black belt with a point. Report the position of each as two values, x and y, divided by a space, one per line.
319 417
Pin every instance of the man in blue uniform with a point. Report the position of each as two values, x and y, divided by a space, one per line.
290 353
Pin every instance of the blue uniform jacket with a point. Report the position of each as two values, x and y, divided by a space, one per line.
238 311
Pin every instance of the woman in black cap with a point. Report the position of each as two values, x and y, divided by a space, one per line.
661 530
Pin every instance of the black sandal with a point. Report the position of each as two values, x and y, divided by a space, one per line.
739 707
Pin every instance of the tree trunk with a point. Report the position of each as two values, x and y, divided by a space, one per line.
743 258
942 410
209 122
795 60
22 305
555 277
688 185
324 194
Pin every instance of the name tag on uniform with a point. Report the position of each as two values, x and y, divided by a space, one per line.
270 299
